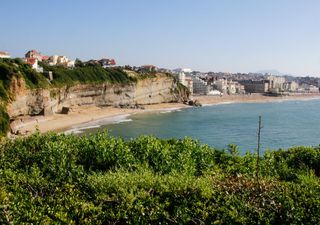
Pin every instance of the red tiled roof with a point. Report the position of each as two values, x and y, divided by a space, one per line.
31 61
105 61
112 62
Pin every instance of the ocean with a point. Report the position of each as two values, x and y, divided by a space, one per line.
285 124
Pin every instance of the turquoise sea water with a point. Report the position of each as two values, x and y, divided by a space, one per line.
285 124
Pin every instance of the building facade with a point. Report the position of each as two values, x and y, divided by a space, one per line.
107 62
199 86
33 62
186 81
60 60
250 86
229 87
291 86
4 55
276 83
33 54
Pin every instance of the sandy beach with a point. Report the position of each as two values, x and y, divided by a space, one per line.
86 114
211 100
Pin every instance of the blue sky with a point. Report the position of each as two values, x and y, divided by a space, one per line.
206 35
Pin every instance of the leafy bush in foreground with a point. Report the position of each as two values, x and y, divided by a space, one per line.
104 180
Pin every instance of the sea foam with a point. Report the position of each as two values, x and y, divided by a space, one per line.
98 123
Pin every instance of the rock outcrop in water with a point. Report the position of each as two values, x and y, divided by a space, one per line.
195 103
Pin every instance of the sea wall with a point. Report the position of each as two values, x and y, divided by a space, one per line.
159 89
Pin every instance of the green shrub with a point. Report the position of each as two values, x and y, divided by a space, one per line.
100 179
87 74
4 121
17 68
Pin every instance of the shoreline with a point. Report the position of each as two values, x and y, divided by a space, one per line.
83 115
86 116
253 98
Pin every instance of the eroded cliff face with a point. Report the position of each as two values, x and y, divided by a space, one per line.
45 102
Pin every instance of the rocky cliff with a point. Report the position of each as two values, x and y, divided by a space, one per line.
159 89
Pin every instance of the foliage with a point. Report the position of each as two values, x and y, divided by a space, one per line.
33 79
87 74
4 121
100 179
182 90
10 68
6 73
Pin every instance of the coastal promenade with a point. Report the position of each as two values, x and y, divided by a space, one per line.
86 114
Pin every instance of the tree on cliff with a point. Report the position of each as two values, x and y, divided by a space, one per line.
78 63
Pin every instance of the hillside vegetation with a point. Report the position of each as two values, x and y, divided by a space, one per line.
10 68
59 179
91 74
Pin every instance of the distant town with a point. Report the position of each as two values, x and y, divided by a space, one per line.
198 83
213 83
